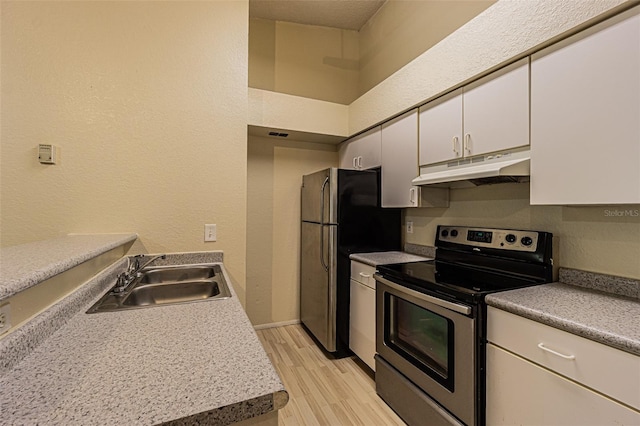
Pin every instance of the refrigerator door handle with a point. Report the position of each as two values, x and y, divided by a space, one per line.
324 264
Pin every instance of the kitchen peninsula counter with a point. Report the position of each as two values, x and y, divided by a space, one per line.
582 308
26 265
195 363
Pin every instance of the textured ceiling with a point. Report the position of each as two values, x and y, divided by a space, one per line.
345 14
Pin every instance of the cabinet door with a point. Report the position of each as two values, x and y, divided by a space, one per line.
368 147
585 109
496 111
520 392
347 157
362 322
441 129
362 151
400 161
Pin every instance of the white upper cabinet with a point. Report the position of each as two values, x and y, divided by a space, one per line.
361 152
489 115
585 116
400 166
496 111
441 129
400 161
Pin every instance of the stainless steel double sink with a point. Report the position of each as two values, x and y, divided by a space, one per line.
167 285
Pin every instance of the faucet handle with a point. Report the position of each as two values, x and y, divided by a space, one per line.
134 263
121 283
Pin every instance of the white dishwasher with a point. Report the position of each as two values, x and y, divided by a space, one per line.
362 310
362 315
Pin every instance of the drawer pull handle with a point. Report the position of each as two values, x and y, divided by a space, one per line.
365 275
544 348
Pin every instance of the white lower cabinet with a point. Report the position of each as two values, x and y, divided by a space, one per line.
362 315
539 375
522 393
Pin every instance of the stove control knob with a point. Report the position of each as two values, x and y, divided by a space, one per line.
444 233
454 233
510 238
526 241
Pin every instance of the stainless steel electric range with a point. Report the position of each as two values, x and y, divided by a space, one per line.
431 320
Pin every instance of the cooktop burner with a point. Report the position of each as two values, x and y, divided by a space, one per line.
473 262
459 282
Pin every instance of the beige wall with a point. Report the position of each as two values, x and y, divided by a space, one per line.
303 60
148 104
589 238
505 31
402 30
275 110
340 65
275 170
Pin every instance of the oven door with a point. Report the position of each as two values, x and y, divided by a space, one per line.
431 341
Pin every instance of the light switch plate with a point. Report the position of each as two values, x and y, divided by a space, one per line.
210 232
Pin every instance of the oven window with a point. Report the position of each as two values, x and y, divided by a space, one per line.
422 337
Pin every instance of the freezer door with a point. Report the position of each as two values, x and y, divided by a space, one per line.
318 282
318 197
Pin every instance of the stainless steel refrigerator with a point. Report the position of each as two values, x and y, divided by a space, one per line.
340 215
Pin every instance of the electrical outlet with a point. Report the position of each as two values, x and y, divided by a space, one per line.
5 318
409 227
210 233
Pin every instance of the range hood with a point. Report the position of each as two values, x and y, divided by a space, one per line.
481 170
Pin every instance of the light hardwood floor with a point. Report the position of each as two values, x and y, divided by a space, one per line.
322 391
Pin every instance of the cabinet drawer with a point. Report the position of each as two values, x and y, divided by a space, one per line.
605 369
522 393
363 273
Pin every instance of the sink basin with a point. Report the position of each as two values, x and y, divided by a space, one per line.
167 293
167 285
177 273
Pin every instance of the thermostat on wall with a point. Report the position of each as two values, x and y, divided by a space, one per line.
47 154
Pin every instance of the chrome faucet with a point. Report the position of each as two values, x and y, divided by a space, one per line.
133 271
137 268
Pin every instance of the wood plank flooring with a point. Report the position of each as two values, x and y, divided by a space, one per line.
323 391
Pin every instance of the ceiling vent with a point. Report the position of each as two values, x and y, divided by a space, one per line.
280 135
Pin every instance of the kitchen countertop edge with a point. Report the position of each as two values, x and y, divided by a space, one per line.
26 265
386 257
592 314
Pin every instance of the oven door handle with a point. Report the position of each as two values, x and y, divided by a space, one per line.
463 309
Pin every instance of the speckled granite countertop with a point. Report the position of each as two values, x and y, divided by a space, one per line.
607 318
25 265
386 257
186 364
